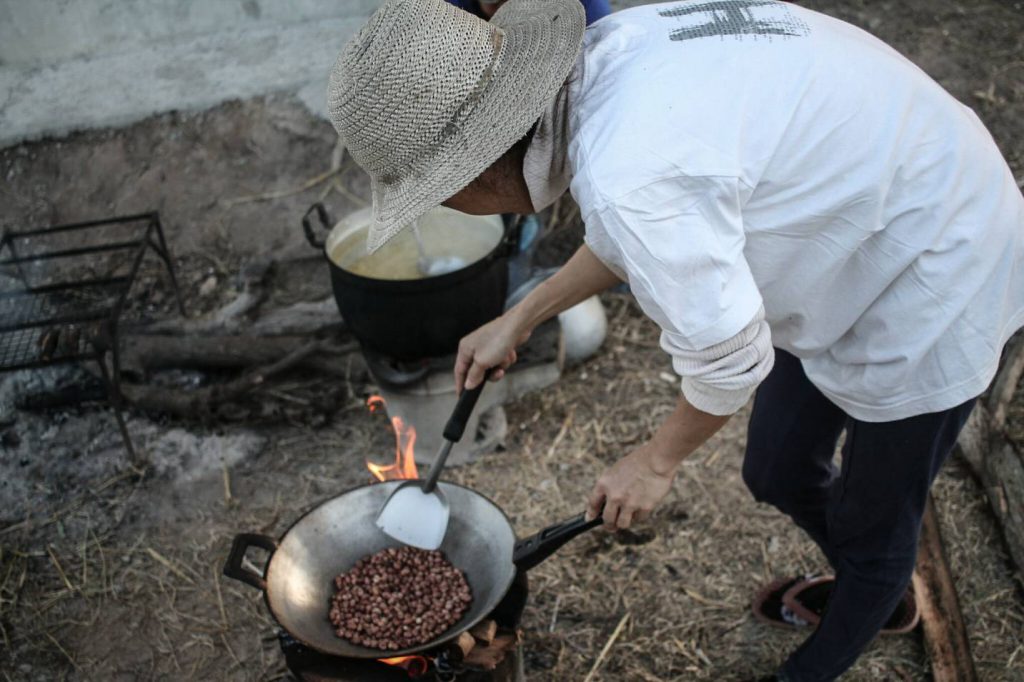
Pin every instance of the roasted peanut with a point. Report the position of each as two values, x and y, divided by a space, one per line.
398 598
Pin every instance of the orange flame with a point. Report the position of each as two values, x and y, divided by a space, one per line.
414 665
405 442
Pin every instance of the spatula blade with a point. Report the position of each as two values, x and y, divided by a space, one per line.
415 518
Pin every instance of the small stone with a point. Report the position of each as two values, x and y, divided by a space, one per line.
208 286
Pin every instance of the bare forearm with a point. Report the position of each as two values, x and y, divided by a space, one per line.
630 489
493 345
580 278
685 430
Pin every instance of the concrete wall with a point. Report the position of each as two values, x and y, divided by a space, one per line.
67 65
47 31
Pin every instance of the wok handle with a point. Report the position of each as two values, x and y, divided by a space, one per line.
233 566
531 551
307 227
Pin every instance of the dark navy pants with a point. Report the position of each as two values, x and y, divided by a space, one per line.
865 515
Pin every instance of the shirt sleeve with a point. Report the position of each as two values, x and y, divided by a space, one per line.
720 379
679 243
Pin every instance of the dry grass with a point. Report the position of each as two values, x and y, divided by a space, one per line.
127 586
686 577
121 581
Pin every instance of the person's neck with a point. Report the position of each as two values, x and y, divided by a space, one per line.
518 189
499 189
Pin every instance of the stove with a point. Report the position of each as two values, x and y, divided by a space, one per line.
447 664
423 392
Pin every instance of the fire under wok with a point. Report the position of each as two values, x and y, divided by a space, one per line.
298 579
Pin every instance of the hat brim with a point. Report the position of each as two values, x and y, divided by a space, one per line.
540 46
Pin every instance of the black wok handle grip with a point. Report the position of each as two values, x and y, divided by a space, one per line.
456 425
307 227
233 566
531 551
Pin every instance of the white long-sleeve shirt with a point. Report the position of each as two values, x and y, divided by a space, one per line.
740 154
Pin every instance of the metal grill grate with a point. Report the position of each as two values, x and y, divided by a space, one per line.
22 348
55 308
61 304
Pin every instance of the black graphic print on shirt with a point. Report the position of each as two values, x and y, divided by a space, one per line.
735 18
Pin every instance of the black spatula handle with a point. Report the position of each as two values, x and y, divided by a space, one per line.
456 425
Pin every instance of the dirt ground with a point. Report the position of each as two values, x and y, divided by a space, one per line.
108 575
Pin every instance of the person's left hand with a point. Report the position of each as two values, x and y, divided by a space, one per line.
630 488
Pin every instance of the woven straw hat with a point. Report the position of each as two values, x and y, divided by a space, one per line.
426 96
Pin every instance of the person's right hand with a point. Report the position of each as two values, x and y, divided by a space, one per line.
492 345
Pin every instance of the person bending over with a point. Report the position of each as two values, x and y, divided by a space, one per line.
801 210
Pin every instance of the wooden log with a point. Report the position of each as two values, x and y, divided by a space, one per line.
945 635
461 647
146 353
1005 488
488 657
1005 384
305 317
973 442
200 403
154 352
485 631
999 466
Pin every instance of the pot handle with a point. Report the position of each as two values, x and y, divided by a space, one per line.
531 551
233 566
321 214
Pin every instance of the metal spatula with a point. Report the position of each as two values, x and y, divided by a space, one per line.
416 513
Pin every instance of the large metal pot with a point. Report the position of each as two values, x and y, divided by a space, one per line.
297 580
413 319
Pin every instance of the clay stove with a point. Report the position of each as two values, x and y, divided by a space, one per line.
423 393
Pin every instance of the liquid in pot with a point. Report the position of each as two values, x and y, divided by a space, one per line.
447 237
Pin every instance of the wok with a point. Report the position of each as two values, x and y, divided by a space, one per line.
298 579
